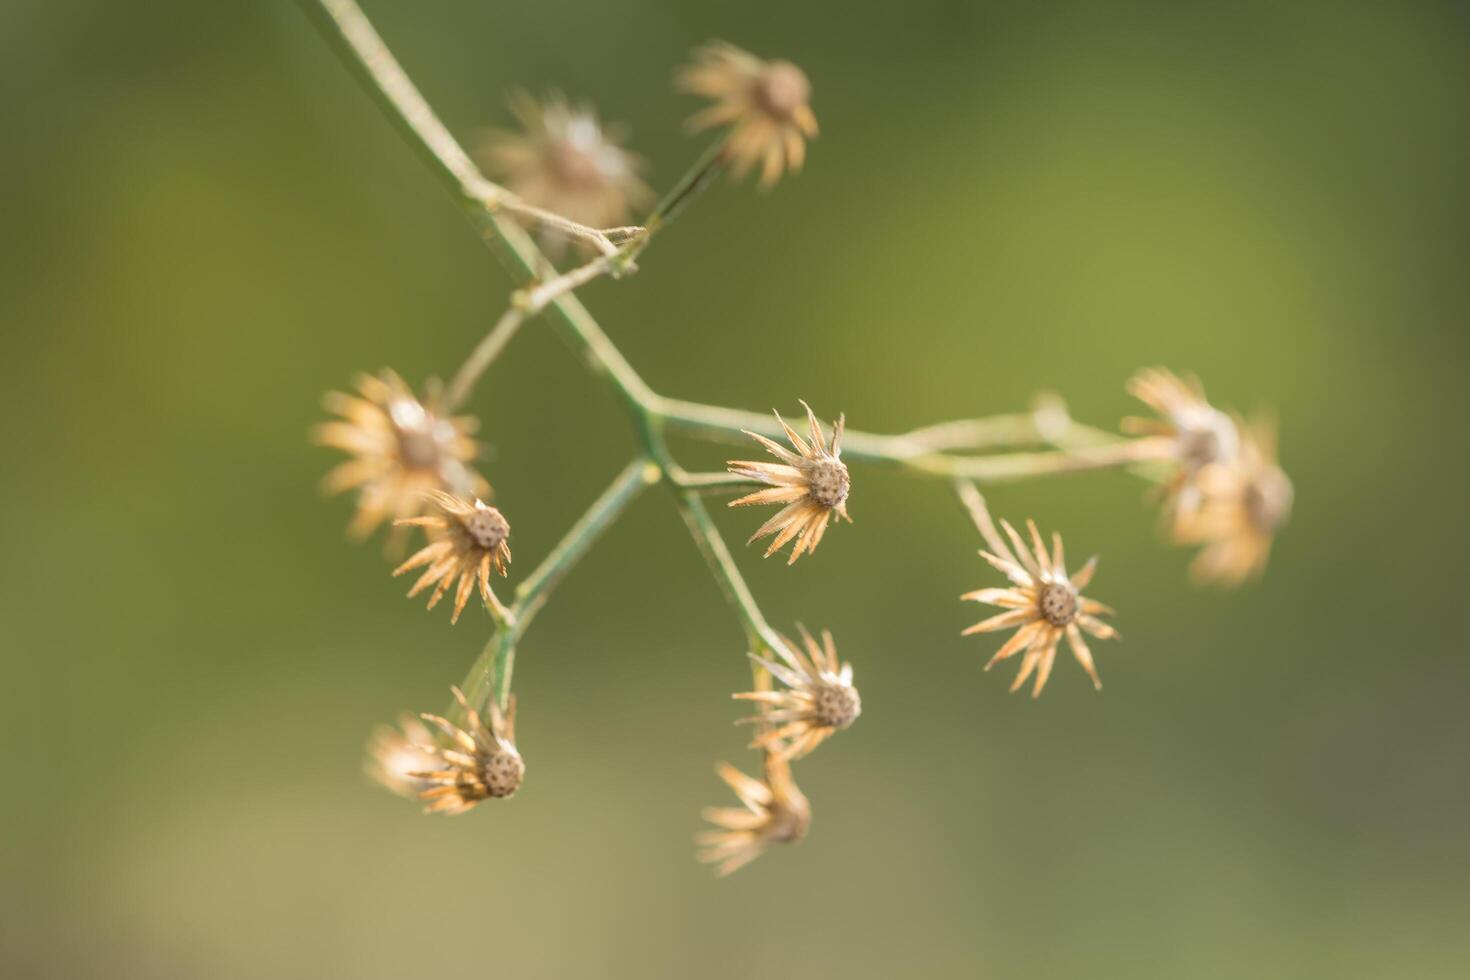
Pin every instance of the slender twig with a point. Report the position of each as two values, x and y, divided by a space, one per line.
496 662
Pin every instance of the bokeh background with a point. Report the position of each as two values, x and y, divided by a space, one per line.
206 224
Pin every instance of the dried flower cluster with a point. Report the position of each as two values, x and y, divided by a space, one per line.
1226 493
411 461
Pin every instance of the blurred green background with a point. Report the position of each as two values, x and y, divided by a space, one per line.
207 223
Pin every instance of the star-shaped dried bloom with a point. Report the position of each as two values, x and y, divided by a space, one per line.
401 447
1045 603
467 539
470 763
567 162
817 701
1192 433
767 105
1245 502
812 483
773 811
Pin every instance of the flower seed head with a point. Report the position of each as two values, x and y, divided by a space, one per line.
468 539
474 762
765 104
836 705
1243 505
1044 602
1191 433
817 697
1058 603
566 161
827 481
812 484
772 811
487 526
782 90
502 773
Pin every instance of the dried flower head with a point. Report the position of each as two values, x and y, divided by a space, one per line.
813 483
475 763
1045 602
774 812
1244 504
467 538
401 448
566 161
767 104
1194 434
819 698
398 757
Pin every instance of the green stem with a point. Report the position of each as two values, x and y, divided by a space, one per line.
493 669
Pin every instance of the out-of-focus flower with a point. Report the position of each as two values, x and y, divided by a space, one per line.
766 104
1193 434
478 762
812 482
398 756
773 811
818 698
567 162
1044 602
467 538
1244 504
401 448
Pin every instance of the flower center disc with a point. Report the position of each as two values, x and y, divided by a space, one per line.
837 705
488 527
782 89
1058 603
827 482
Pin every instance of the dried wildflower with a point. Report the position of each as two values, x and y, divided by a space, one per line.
1194 434
819 698
401 448
567 162
478 763
1045 602
766 103
467 538
774 812
813 483
1244 504
397 757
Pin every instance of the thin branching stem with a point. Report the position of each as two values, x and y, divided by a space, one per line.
927 452
496 663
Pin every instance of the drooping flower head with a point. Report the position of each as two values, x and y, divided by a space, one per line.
817 701
1193 434
473 763
772 811
567 162
1044 602
766 104
401 448
467 539
1244 503
812 483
